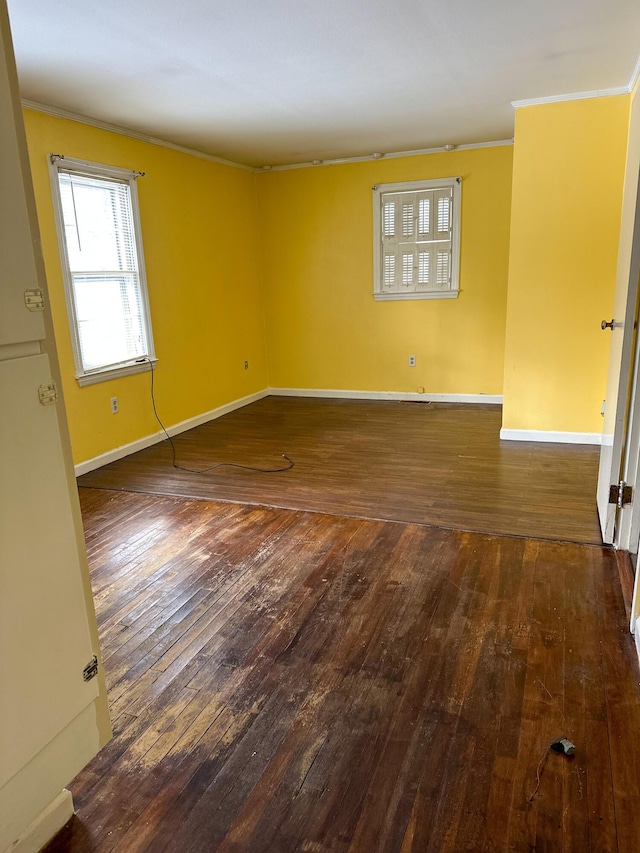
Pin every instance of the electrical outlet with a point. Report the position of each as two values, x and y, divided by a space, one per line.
412 361
246 365
114 406
420 389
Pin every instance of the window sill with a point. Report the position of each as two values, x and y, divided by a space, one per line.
114 372
431 294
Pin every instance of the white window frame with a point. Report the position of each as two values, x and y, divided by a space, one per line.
59 163
379 191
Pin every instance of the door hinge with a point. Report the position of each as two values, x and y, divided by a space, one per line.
48 393
34 299
620 495
91 669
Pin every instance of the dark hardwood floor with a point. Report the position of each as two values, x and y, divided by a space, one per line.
289 681
358 678
435 463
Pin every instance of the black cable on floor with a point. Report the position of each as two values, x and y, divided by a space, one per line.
217 464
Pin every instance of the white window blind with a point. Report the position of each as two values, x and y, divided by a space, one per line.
417 239
105 286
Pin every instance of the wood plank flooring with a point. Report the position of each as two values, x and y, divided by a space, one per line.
289 681
435 463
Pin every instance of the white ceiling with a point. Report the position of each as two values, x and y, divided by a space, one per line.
286 81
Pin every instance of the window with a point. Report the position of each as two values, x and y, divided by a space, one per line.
100 244
416 239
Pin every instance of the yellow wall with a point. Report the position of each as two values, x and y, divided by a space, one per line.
228 252
568 172
323 326
199 230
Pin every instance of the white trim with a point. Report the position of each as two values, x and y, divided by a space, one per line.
88 167
60 163
175 429
392 155
634 76
430 294
550 436
572 96
123 131
634 625
138 366
49 822
190 423
163 143
408 396
415 186
380 192
636 637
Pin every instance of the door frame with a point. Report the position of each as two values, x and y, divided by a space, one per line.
627 524
614 457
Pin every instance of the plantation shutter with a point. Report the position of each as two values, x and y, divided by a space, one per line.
416 230
425 235
442 235
102 256
390 227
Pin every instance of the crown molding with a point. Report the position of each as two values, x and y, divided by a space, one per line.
572 96
133 134
579 96
415 152
153 140
635 76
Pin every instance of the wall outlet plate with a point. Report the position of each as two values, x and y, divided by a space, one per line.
412 361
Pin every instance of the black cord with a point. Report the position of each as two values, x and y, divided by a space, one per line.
217 464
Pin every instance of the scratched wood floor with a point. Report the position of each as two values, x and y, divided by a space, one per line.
289 681
436 463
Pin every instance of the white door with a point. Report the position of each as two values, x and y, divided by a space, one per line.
44 630
622 351
45 638
19 269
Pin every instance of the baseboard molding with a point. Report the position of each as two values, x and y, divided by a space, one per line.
190 423
174 429
413 397
46 825
636 637
550 435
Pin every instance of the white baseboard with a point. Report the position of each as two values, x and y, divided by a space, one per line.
411 396
190 423
174 429
46 825
636 637
550 435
